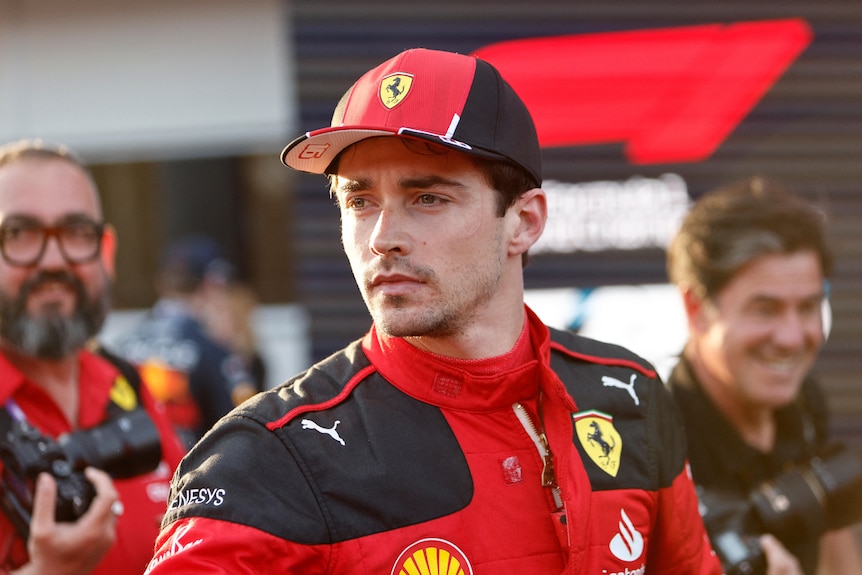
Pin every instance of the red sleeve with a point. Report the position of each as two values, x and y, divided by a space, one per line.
680 544
199 545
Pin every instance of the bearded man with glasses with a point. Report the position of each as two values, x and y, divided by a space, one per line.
23 243
56 274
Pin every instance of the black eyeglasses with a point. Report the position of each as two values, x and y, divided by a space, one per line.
23 241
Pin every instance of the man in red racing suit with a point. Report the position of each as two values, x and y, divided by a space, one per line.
318 477
460 436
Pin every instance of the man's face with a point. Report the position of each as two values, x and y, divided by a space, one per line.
419 227
50 308
763 334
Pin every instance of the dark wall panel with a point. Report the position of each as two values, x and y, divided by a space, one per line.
806 131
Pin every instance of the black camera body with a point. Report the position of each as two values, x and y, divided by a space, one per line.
800 504
125 446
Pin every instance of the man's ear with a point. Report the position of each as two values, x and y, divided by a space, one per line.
531 210
108 251
695 310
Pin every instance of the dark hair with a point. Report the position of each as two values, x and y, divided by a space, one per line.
191 261
508 180
730 226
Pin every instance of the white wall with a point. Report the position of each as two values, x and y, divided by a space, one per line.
125 81
648 319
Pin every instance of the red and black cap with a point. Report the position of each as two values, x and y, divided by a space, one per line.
453 100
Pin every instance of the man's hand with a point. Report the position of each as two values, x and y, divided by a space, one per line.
779 561
71 548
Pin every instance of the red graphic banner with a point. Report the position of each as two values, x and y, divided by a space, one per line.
670 95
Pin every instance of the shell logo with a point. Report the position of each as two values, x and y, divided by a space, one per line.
432 557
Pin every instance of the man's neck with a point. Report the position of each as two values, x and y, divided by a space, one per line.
754 424
58 378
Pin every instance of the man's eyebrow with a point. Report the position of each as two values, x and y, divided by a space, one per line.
761 298
412 182
430 181
347 186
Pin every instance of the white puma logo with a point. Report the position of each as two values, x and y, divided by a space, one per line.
308 424
630 386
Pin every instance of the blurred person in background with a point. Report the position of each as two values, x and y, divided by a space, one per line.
197 378
56 276
751 264
228 316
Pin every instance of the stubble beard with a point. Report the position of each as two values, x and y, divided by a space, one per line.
449 315
52 336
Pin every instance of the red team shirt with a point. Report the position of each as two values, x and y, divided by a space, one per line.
144 497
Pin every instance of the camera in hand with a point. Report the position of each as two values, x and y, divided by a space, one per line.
800 504
124 447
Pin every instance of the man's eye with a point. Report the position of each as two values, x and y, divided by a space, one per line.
13 233
766 310
80 230
810 308
354 203
428 199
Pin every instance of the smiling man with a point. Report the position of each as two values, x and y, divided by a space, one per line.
460 435
751 261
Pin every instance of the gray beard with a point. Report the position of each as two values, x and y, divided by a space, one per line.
52 336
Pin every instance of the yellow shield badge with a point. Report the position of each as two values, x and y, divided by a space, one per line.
394 88
123 395
599 438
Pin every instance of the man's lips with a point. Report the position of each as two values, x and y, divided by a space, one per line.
392 278
50 291
394 284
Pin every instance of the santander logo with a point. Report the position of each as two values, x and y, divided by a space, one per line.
628 543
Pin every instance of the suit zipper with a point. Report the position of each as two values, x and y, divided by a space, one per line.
540 440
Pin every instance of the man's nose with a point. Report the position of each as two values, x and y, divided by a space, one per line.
53 256
390 234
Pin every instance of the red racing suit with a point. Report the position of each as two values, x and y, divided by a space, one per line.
144 497
386 459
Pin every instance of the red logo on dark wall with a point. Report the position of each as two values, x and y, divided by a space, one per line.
671 94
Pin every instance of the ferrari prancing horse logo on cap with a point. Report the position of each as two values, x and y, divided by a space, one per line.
394 88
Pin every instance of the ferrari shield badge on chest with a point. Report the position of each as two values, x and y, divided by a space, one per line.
394 88
600 439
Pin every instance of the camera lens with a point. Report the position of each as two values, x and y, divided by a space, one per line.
124 447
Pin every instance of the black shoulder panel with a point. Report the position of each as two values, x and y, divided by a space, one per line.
646 445
369 461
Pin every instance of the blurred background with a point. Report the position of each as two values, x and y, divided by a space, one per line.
181 109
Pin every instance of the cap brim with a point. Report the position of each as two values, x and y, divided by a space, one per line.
315 151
